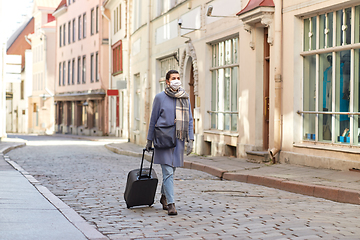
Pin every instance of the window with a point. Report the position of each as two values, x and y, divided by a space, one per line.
96 66
331 89
137 14
69 32
92 21
64 73
97 19
60 69
166 65
117 58
22 90
166 5
64 34
84 69
117 19
73 72
79 27
224 74
60 36
84 25
73 30
69 72
79 70
92 68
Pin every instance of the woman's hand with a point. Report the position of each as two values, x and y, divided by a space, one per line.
148 145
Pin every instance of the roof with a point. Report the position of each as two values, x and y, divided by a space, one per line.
61 4
17 33
252 4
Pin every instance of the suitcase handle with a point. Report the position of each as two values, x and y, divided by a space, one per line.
142 162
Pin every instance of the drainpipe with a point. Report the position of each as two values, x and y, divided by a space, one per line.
110 79
45 73
128 68
148 82
278 116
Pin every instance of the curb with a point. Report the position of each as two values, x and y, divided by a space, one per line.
71 215
330 193
7 149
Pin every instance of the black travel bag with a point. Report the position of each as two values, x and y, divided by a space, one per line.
141 185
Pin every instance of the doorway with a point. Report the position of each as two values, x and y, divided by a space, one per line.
190 75
266 99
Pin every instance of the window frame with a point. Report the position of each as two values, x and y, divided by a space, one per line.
219 115
83 69
117 61
339 46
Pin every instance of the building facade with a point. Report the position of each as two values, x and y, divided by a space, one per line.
41 102
119 69
82 69
321 59
17 91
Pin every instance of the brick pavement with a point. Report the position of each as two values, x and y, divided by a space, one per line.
91 180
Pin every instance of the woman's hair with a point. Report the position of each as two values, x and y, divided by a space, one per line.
171 72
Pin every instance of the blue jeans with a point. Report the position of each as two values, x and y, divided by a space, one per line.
167 187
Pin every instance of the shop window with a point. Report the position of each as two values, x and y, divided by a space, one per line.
224 79
331 89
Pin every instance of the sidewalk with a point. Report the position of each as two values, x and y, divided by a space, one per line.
31 211
339 186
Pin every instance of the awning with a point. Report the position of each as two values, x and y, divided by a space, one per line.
252 4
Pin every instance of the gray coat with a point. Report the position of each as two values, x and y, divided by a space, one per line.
163 114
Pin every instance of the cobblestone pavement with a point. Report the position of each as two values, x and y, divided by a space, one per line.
91 179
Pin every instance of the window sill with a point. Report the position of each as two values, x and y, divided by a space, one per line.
117 73
335 147
219 132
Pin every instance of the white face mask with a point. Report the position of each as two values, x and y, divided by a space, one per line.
175 84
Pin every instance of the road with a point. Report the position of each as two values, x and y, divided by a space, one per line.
91 180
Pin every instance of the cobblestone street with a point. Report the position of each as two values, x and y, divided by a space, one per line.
91 180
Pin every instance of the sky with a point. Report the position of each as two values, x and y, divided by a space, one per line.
13 14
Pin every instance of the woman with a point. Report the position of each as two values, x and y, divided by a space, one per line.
173 103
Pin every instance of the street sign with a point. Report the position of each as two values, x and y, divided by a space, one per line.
112 92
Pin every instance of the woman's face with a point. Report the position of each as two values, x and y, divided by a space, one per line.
173 76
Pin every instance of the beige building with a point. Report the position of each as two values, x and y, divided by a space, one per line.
266 78
118 68
82 69
41 102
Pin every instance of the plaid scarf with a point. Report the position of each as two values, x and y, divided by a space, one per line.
181 112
